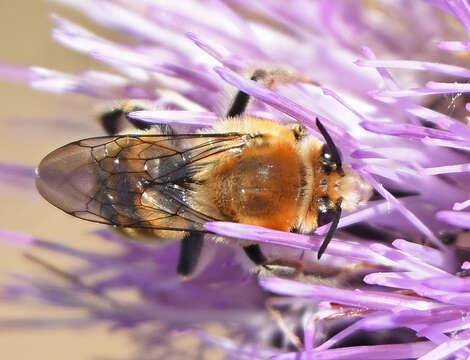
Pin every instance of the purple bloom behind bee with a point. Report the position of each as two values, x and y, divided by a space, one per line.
394 280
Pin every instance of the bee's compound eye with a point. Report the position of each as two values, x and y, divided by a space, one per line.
325 153
327 161
325 211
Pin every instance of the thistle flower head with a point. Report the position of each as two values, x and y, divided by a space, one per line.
389 82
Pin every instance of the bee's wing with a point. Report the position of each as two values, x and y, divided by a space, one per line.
132 181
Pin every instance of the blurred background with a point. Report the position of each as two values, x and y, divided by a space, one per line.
32 124
27 120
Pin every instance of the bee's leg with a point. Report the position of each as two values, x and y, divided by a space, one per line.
115 120
190 251
242 99
268 78
110 121
255 254
239 104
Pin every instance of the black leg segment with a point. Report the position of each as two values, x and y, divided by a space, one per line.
239 104
110 121
242 99
255 254
190 251
115 120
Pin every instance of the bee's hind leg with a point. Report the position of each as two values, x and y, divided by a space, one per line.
190 251
117 119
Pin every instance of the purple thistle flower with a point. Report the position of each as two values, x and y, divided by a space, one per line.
394 282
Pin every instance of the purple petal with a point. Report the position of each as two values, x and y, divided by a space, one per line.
446 349
406 261
306 242
454 45
48 323
341 335
361 215
16 73
115 16
458 206
448 87
342 102
441 5
402 281
445 169
412 92
449 283
412 218
437 118
404 154
372 352
356 298
463 145
386 76
282 104
78 38
16 238
436 315
425 253
17 175
456 299
218 52
445 326
456 71
92 83
406 130
178 117
461 11
456 218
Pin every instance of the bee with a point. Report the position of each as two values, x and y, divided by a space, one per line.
166 186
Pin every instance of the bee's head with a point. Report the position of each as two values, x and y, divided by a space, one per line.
338 187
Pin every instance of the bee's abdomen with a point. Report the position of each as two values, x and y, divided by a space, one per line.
260 186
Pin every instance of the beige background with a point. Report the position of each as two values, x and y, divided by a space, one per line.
24 34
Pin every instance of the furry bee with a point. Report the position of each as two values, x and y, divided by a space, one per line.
166 185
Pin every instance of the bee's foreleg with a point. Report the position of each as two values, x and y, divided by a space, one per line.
117 119
255 254
190 251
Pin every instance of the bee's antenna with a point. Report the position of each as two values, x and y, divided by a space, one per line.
331 145
331 231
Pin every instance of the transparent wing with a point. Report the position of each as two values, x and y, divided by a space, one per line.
133 181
